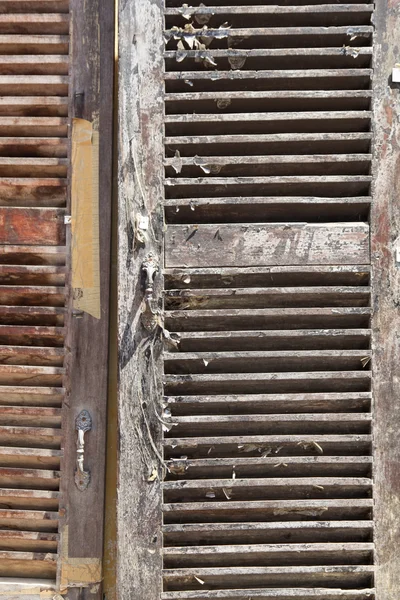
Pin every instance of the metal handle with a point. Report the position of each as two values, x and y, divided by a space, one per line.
150 266
83 423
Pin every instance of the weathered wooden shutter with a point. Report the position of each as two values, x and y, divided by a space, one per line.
53 358
245 171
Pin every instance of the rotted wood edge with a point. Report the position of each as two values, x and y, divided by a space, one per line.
385 222
86 363
140 233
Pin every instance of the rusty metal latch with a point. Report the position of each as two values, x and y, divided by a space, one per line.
149 314
83 423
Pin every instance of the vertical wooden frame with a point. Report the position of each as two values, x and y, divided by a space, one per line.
140 231
385 222
82 512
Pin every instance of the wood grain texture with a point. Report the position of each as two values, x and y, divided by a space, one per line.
140 185
386 286
87 338
266 244
32 226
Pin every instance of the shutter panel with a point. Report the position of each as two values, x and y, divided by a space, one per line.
266 441
33 190
269 488
246 438
44 353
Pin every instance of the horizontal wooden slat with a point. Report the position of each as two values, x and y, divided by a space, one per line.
32 274
269 488
216 9
23 106
267 510
358 576
30 458
31 355
280 423
300 275
32 478
264 361
36 564
21 335
245 100
32 226
33 167
25 189
35 437
25 541
32 126
33 64
283 594
247 209
269 404
283 36
273 532
256 445
269 554
267 297
267 318
228 245
32 6
34 44
324 381
21 85
257 466
306 339
32 255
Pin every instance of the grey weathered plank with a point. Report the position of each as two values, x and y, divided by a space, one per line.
268 404
265 244
359 576
260 117
284 594
267 510
257 297
228 383
266 9
290 466
269 74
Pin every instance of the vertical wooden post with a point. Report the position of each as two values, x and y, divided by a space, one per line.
82 512
140 184
386 301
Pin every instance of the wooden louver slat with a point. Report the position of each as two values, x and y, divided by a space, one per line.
267 418
33 192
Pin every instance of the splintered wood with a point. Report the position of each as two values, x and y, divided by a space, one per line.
267 395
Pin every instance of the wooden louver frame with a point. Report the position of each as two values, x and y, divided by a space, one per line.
56 63
141 191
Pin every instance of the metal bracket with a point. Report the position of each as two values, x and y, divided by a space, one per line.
149 315
83 423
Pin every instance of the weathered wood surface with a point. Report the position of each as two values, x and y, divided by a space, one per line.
265 594
31 6
265 244
265 9
85 381
32 226
386 285
357 576
140 187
